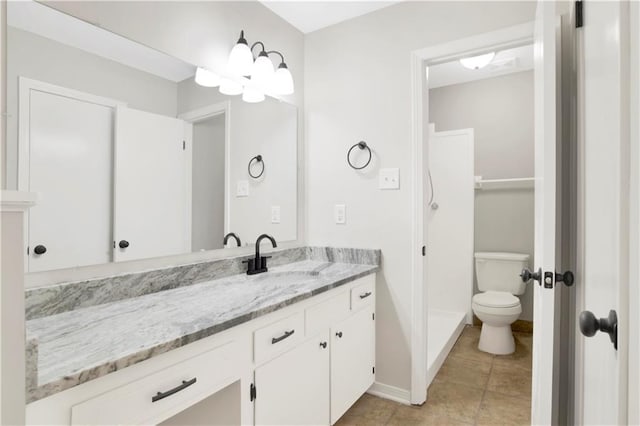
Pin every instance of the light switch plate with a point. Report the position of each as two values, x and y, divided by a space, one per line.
275 214
340 214
242 188
389 178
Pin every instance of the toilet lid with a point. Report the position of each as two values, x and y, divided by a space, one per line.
496 299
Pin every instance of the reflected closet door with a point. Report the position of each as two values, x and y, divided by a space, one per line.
151 186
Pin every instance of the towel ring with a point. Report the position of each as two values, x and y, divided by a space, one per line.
257 159
361 145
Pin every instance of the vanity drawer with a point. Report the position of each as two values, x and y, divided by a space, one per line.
163 394
278 337
323 315
363 294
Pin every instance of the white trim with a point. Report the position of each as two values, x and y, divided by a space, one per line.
389 392
204 113
634 221
504 38
17 201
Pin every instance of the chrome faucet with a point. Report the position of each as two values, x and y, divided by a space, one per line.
258 264
232 235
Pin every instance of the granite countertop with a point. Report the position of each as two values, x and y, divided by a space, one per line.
77 346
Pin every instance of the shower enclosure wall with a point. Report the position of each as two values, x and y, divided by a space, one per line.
450 219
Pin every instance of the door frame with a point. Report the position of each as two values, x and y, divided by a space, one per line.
509 37
201 114
634 222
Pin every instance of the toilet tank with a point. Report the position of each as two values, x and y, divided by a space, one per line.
501 271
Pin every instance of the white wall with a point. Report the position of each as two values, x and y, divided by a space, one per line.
207 188
269 129
500 110
357 86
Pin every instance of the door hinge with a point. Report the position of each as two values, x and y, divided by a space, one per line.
373 316
374 370
579 14
184 145
424 250
27 250
252 392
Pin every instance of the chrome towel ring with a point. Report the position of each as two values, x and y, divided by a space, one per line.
257 159
362 145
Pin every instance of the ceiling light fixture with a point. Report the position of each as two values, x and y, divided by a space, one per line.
478 62
240 58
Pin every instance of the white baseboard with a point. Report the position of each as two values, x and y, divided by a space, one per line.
403 396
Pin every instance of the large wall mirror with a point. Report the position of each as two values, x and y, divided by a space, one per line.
131 158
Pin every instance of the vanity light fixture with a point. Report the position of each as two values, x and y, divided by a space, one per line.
477 62
207 78
230 87
263 77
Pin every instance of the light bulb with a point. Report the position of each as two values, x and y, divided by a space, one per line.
477 62
252 95
240 58
262 71
230 87
207 78
283 81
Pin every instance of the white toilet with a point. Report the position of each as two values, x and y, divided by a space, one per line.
497 306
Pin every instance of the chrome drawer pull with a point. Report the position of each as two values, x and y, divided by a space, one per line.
185 384
281 338
364 296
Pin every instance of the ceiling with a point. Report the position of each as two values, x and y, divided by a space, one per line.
310 15
49 23
505 62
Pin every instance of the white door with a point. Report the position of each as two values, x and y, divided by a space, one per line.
450 216
152 212
352 361
293 389
602 95
544 392
70 150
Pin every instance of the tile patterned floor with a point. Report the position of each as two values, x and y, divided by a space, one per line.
472 388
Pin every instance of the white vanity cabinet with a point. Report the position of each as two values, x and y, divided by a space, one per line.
304 364
294 387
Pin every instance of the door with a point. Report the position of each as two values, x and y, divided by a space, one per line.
603 88
293 389
70 151
544 403
152 202
352 360
450 214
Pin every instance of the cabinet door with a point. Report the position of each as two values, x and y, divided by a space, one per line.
152 211
293 389
70 162
352 360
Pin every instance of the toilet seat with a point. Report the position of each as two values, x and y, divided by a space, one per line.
496 299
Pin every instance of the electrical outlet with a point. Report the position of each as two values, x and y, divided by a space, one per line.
389 178
242 188
340 214
275 214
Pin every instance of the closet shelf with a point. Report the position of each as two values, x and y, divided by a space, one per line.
514 183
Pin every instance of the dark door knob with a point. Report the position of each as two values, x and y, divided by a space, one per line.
39 249
590 325
123 244
323 345
527 275
567 278
339 334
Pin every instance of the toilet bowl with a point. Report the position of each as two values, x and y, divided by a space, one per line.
497 306
497 310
